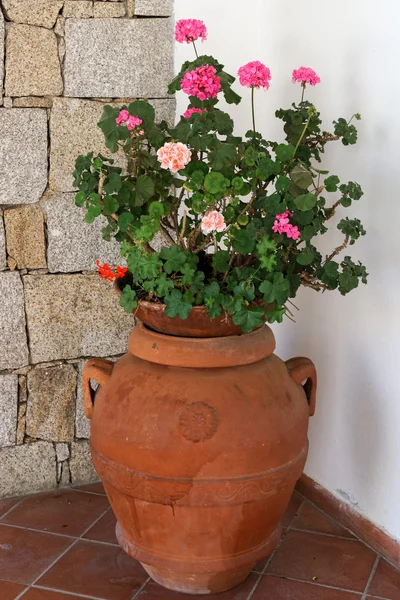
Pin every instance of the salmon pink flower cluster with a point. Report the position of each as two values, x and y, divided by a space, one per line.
124 118
190 30
203 82
173 156
188 113
106 272
282 225
214 221
305 75
255 74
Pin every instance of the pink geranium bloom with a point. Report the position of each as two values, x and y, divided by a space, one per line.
255 75
214 221
173 156
305 75
202 82
282 225
124 118
190 30
188 113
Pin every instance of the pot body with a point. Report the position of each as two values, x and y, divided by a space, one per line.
199 444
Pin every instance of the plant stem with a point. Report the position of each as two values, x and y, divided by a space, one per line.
302 135
195 49
253 112
303 85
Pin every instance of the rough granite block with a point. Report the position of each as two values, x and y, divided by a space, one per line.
70 316
107 10
153 8
32 64
26 245
8 409
81 465
2 32
74 131
51 403
109 58
13 343
73 244
23 155
78 9
27 468
33 12
3 258
32 102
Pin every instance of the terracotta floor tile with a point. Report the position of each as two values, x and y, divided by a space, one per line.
6 504
96 570
67 512
104 529
38 594
386 581
274 588
152 591
9 591
311 518
342 563
26 554
291 511
94 488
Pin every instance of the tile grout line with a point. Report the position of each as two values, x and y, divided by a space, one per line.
370 578
317 584
140 590
74 594
261 575
76 540
12 508
331 535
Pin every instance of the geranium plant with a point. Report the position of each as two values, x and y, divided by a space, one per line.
239 217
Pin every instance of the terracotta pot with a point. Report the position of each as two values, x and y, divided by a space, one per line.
199 444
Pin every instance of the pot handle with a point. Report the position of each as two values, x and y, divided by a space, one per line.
301 369
100 370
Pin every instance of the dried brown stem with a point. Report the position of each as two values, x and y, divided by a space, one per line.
338 249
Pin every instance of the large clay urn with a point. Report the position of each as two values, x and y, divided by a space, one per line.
199 442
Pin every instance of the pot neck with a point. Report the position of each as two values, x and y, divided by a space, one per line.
201 353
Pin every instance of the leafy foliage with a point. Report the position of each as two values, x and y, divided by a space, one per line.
251 269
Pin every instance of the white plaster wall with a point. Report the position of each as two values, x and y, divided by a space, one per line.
354 340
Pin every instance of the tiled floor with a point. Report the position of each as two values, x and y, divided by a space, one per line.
62 546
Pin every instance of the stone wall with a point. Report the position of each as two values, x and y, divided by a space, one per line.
60 61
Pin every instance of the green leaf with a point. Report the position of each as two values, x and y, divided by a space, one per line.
223 155
143 110
176 305
267 167
111 205
305 202
124 220
242 241
276 315
175 259
80 199
284 152
156 210
215 183
188 274
282 184
301 176
249 318
347 282
220 261
144 190
331 183
92 212
306 256
163 285
275 289
113 184
128 299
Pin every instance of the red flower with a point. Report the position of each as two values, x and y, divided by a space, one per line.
106 272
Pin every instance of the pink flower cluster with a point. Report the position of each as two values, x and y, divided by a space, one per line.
131 122
190 30
305 75
188 113
202 82
282 225
255 74
214 221
173 156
